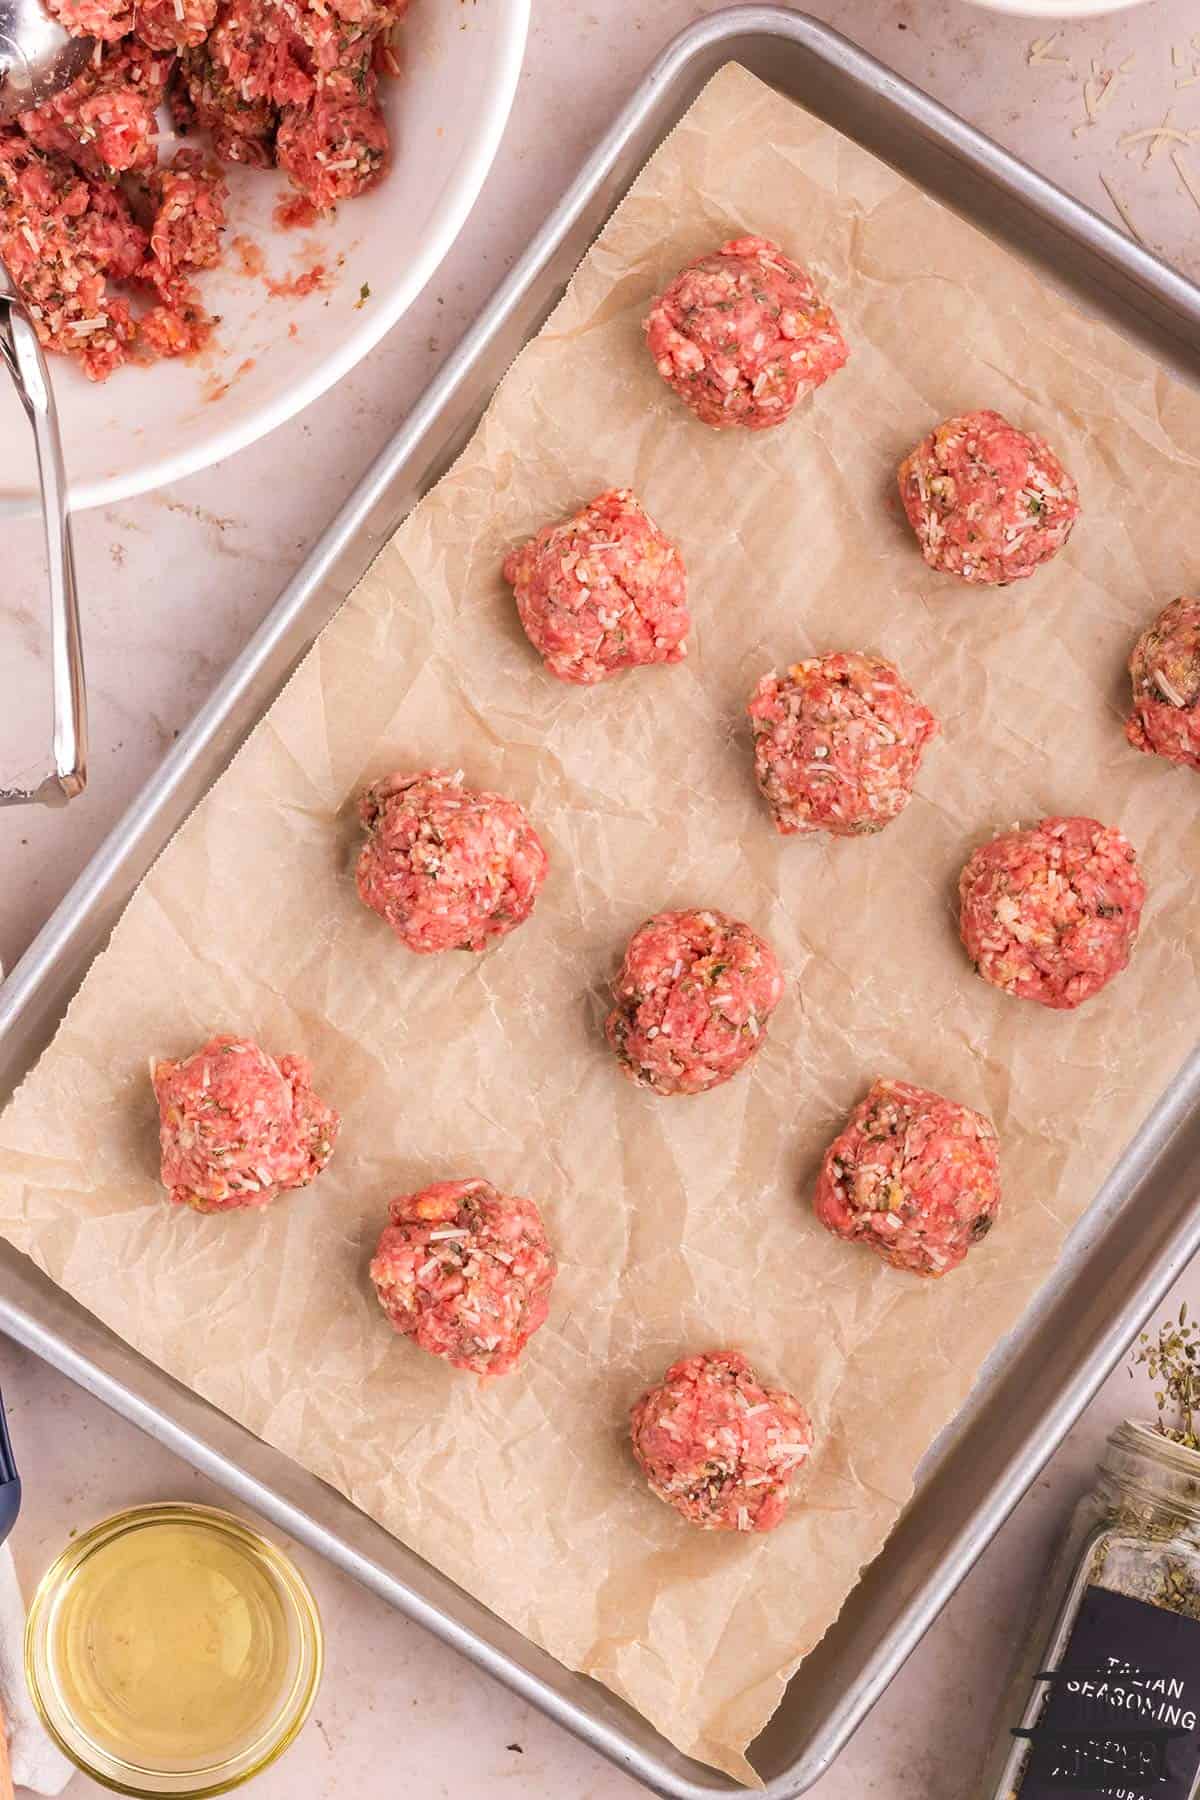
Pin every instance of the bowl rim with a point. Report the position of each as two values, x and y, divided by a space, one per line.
373 323
1062 10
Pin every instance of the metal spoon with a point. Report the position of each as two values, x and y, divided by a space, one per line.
37 58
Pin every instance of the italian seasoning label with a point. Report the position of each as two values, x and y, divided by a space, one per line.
1121 1719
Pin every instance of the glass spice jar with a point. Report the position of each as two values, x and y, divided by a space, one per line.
1108 1688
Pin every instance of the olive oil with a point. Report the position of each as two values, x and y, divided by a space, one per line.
169 1646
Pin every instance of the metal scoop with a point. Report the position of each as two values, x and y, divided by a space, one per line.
37 58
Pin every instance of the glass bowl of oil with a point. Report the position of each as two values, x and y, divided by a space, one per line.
172 1650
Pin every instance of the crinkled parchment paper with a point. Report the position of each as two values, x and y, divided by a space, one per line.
680 1224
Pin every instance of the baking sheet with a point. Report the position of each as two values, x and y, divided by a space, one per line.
678 1224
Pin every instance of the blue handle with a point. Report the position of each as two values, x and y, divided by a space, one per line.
10 1481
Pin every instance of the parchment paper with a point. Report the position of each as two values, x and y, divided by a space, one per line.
680 1224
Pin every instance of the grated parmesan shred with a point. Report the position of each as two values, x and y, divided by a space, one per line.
1099 90
1122 210
1190 181
1039 53
1156 138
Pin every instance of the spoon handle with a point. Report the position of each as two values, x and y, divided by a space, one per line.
22 353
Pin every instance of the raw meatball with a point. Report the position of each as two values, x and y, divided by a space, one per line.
913 1176
838 741
237 1127
741 333
448 868
466 1273
601 592
987 502
1165 667
717 1446
692 1001
1051 914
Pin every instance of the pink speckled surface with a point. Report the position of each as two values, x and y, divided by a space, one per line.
173 584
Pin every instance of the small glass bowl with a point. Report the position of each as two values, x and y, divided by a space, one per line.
149 1776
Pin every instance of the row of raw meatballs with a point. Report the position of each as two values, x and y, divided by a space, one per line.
466 1271
605 591
1048 914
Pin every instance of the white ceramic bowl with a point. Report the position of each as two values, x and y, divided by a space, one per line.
145 427
1057 9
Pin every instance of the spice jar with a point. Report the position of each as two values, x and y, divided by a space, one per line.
1110 1683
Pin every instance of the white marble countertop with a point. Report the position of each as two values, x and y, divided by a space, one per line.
174 583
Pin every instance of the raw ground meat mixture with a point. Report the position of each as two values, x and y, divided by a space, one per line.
466 1273
717 1446
602 592
237 1128
987 502
334 148
189 213
913 1176
61 237
692 1001
447 867
1051 914
104 122
170 25
742 333
292 83
203 98
1165 670
838 741
107 20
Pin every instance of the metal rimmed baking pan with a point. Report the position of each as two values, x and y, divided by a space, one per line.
1141 1229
